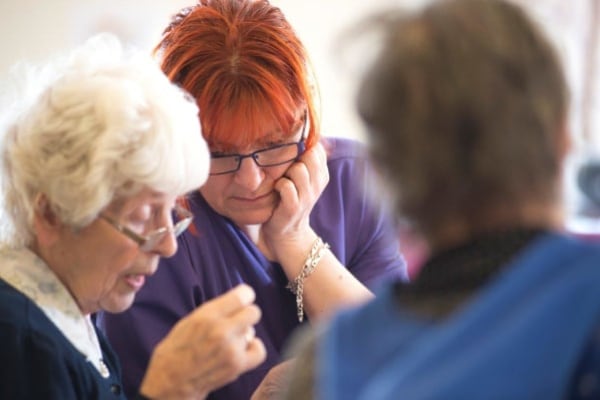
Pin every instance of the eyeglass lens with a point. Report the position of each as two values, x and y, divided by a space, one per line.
264 158
183 218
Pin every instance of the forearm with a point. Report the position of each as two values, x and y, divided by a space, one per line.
322 284
330 287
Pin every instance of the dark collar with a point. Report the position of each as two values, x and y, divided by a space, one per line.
450 277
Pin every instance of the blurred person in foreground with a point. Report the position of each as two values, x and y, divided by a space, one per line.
466 109
283 210
94 158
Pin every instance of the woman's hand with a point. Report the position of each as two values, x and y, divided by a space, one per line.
299 189
288 238
209 348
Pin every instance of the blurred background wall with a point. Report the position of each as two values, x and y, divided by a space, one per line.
35 29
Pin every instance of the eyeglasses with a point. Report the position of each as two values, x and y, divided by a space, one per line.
279 154
149 241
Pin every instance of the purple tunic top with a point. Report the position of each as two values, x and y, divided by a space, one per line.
220 256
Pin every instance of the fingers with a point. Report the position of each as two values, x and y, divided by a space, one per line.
230 302
225 323
255 354
234 329
249 335
255 349
315 159
242 322
234 316
305 180
290 188
234 351
208 348
312 165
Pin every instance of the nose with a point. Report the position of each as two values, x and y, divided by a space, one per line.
250 175
167 246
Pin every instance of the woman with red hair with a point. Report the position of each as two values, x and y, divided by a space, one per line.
283 210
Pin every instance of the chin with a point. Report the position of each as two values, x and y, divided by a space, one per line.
252 217
118 304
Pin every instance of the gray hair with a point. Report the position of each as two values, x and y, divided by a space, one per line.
100 124
465 107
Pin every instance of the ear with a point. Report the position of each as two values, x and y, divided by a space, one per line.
46 224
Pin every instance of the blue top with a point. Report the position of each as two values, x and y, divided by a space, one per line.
526 335
220 256
39 362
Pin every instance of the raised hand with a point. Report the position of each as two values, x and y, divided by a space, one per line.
212 346
299 189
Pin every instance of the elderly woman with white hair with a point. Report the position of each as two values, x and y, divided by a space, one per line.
94 161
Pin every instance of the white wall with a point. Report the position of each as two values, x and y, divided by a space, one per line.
35 29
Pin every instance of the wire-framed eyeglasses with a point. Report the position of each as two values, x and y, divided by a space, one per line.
150 240
272 156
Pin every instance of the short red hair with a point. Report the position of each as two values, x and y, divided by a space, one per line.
245 66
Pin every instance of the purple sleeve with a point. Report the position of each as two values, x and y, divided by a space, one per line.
356 223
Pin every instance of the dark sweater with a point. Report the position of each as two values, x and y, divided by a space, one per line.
38 361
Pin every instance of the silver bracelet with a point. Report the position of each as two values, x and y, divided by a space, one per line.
297 285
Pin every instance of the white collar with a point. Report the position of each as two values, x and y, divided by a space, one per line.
29 274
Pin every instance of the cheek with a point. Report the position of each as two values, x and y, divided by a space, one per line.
274 173
215 189
115 274
120 261
103 281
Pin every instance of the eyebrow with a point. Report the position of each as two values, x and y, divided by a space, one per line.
270 137
265 141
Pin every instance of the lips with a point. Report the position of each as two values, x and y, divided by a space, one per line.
136 281
265 200
255 198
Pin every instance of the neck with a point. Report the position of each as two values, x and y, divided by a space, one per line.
252 231
53 259
455 231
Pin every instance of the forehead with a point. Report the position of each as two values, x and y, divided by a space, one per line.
252 136
248 140
145 197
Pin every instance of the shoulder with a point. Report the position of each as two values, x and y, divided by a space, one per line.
554 251
347 161
344 149
341 351
23 321
382 305
15 307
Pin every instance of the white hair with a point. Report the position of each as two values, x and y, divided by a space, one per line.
99 124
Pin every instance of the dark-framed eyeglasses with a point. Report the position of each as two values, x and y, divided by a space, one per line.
151 239
272 156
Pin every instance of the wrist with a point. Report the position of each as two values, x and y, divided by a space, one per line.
296 286
291 252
